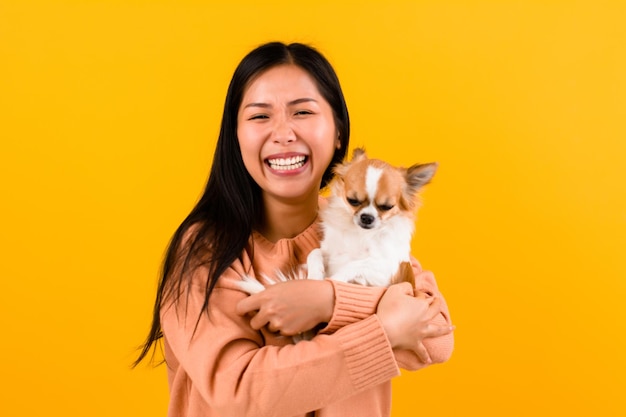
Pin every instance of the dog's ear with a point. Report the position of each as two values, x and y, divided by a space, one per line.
419 175
340 169
416 176
358 154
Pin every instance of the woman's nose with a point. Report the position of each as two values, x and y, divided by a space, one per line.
283 132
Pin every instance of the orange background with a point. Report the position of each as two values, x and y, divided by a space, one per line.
109 111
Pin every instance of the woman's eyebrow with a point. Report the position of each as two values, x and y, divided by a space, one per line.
264 105
291 103
301 100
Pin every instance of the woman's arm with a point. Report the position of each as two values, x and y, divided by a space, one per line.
294 307
226 362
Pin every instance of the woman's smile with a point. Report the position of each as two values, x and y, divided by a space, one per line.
287 163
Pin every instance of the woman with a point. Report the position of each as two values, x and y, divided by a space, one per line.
285 124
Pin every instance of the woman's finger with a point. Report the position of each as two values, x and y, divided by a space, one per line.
271 328
435 330
402 288
420 295
422 353
258 321
249 304
434 309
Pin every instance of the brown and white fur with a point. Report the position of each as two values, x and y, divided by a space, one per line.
367 224
369 221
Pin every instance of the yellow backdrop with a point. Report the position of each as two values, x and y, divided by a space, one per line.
109 111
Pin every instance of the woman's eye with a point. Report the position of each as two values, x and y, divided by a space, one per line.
353 202
303 113
259 117
384 207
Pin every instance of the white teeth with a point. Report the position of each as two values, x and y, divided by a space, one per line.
285 164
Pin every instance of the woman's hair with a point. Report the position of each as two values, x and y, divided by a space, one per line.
218 228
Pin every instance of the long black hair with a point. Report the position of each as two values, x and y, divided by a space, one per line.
218 228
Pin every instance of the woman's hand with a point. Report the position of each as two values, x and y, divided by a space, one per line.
407 318
290 307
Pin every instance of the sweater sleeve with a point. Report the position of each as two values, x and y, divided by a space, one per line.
236 373
353 303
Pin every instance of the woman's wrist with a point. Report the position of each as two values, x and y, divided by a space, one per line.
326 294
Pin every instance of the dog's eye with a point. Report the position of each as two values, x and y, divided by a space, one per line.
353 202
384 207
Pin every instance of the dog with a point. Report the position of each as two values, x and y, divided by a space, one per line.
367 225
369 221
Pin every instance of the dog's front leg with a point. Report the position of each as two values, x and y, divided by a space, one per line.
315 265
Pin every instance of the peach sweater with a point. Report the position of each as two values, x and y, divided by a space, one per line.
227 369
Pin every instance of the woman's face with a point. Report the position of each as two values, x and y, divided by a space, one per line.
286 132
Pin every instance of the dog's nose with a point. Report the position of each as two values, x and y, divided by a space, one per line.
367 219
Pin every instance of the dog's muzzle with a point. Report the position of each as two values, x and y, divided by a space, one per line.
366 221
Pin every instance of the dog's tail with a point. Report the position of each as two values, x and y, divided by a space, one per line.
251 285
404 274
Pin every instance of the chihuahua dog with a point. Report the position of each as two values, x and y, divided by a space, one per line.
369 222
367 225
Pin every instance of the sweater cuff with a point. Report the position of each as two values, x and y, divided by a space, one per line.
352 303
368 354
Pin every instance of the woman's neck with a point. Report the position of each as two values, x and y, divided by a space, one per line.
285 220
